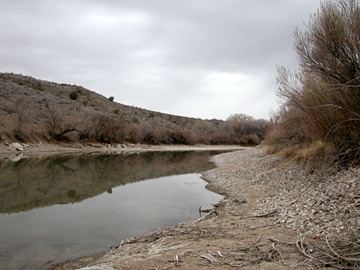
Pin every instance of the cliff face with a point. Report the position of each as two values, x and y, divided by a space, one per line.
61 179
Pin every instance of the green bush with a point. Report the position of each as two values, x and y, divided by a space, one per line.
39 86
73 95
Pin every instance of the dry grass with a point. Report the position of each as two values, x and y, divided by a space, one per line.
308 153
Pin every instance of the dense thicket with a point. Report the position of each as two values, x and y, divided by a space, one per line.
115 130
321 100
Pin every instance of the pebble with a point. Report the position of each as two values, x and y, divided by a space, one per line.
310 203
323 202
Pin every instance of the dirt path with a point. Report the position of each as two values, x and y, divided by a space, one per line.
234 235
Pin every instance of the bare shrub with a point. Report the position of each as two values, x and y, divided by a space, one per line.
190 137
68 130
204 129
105 129
21 108
252 139
220 138
86 131
321 101
54 118
162 135
244 129
133 133
240 117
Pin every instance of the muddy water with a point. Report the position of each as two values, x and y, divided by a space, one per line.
61 207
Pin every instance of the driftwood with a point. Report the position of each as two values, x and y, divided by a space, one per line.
266 214
340 253
206 216
176 259
210 258
258 215
204 210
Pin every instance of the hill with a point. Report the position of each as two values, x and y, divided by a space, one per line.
36 110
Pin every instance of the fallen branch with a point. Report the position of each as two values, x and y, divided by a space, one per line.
272 239
259 227
210 258
204 210
266 214
206 216
343 258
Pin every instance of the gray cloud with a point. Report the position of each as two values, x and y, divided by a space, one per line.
204 58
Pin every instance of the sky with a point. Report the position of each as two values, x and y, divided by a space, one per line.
198 58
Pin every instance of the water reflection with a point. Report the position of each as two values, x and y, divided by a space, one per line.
39 182
54 209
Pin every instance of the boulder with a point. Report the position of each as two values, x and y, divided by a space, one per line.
17 146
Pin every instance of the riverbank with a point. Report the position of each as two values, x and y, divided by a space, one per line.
276 215
24 150
269 208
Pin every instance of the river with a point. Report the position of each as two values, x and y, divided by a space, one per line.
64 206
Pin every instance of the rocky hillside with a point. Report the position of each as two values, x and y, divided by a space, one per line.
37 110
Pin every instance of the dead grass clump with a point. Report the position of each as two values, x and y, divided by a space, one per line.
313 152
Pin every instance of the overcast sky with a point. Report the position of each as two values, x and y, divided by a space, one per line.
198 58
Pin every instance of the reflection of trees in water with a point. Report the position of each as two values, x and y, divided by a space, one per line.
61 179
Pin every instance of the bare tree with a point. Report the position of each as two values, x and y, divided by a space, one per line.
54 118
322 99
21 108
240 117
330 47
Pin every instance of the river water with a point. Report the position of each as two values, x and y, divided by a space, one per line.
60 207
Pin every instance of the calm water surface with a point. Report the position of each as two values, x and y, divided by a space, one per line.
61 207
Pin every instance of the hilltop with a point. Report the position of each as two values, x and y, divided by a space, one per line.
34 110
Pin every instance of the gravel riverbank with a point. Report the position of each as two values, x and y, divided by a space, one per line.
274 216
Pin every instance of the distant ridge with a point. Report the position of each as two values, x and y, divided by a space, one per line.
37 110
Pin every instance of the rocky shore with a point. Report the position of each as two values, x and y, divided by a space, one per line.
276 215
11 149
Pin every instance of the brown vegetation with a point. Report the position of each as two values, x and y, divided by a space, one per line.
34 110
321 99
320 116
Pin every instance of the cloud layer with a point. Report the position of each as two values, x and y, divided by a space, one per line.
204 58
